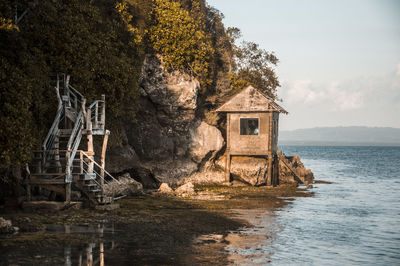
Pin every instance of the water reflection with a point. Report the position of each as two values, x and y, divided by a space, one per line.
90 253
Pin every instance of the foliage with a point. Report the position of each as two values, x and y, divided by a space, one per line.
15 116
122 8
178 35
88 40
255 66
7 24
101 44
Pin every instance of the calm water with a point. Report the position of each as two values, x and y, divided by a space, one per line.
354 221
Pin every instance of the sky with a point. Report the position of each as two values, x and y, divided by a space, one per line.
339 59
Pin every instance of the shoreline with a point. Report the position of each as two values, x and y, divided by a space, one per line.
154 228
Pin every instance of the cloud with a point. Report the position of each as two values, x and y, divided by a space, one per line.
334 96
303 91
344 100
398 70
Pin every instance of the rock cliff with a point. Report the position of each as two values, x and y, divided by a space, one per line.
167 138
170 143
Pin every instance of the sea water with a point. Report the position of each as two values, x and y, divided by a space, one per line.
353 221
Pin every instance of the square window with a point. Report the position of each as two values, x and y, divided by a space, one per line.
249 126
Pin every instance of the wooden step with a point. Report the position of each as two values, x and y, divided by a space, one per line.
45 181
47 174
87 177
65 132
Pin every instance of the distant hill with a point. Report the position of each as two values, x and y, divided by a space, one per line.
386 136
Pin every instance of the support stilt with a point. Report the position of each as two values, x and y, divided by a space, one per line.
68 192
228 168
269 173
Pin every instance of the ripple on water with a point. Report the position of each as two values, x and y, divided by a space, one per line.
353 221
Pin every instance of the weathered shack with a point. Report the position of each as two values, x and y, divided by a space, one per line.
252 129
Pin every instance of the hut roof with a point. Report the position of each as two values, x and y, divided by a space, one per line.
251 100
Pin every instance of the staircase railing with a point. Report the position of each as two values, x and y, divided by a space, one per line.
51 136
96 112
73 145
84 156
75 98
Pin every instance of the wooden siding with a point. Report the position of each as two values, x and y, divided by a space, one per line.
249 144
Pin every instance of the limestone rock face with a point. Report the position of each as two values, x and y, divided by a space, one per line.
166 138
249 170
172 172
204 139
168 89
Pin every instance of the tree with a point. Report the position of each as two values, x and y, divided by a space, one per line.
255 66
178 35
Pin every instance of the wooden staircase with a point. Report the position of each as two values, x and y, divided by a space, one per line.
62 165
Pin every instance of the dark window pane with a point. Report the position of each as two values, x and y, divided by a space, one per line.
248 126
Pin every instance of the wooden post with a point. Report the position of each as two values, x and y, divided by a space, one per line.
67 180
228 168
90 151
28 185
228 149
103 112
68 192
58 94
89 120
269 172
96 115
81 161
101 254
57 154
276 170
103 157
66 86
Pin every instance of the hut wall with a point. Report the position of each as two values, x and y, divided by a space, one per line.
275 131
250 144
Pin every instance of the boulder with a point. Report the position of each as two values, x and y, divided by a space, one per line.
185 190
124 186
292 170
6 227
165 188
205 139
250 170
145 177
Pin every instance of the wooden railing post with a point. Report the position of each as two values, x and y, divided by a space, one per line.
89 120
96 115
89 128
103 157
66 86
103 112
81 161
67 178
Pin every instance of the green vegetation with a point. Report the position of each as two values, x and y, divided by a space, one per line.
101 44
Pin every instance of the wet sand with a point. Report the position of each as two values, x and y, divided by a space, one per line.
220 225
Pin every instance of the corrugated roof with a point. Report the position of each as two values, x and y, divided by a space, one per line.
251 100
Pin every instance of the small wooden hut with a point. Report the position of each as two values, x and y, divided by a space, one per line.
252 129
